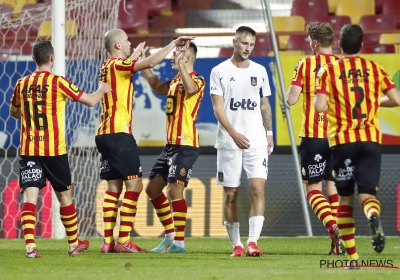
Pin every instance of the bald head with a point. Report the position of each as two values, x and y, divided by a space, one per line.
112 37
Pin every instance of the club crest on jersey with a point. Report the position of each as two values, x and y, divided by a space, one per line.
253 81
73 87
127 61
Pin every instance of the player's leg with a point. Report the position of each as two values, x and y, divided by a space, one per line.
367 179
154 189
314 155
229 170
255 164
119 150
343 169
31 181
112 194
182 161
58 173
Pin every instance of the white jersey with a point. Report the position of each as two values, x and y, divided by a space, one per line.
242 89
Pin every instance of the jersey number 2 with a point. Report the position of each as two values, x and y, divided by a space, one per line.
356 108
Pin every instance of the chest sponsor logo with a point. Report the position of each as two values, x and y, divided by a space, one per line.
244 104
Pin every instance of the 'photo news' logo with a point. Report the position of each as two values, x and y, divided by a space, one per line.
357 264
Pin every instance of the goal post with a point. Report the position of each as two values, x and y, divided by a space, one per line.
76 29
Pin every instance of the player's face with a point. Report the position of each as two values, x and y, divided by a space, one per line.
174 62
244 45
126 46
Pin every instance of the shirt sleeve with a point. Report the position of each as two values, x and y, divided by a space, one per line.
266 88
199 81
297 78
215 83
322 81
126 65
15 98
69 89
386 83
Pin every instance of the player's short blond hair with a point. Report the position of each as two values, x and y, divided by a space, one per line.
322 32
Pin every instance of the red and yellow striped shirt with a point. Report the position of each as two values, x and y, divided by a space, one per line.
117 106
313 125
182 110
353 85
41 96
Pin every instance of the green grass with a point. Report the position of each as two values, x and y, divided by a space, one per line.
207 258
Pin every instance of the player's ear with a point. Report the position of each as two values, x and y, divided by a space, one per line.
117 46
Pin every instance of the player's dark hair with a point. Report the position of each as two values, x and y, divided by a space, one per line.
351 37
245 29
322 32
193 47
42 51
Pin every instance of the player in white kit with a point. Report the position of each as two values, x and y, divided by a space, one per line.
239 90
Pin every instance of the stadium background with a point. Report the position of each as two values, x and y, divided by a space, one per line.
214 22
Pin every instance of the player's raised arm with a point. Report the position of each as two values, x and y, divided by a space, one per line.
92 99
156 58
186 56
159 87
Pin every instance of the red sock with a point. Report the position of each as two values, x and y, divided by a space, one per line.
179 208
69 218
28 220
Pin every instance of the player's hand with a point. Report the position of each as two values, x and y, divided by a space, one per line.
105 87
240 140
270 141
137 52
143 53
180 52
183 40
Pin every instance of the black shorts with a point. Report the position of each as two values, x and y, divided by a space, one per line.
34 170
119 157
175 164
316 164
357 163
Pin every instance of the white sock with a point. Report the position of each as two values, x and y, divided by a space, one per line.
233 232
180 243
255 227
170 236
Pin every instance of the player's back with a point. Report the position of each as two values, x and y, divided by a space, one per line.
117 106
356 86
42 97
314 125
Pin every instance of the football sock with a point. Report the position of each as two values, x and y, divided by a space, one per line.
255 227
322 209
347 228
334 202
371 206
179 209
161 205
69 219
233 233
110 212
127 215
28 220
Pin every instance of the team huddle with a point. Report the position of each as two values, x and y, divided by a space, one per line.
340 138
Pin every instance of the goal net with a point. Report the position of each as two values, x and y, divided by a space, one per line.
86 22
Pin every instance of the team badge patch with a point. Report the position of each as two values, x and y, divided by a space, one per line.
253 81
183 172
220 176
73 87
127 61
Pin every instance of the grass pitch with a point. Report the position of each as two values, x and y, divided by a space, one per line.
207 258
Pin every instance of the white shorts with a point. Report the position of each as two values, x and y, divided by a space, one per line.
230 162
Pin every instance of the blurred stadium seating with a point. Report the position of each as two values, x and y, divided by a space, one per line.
159 21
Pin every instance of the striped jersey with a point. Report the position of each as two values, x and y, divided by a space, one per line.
117 106
313 125
41 96
182 110
353 85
